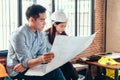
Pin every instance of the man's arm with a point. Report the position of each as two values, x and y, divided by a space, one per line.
46 58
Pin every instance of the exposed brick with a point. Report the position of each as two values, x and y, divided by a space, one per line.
97 46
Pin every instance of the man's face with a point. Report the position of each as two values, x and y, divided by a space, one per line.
40 22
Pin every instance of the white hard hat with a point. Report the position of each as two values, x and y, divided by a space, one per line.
58 16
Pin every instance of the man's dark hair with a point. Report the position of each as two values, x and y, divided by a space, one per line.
34 10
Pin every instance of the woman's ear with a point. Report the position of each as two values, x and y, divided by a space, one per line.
54 24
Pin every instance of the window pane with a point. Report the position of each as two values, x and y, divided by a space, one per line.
25 5
69 9
8 21
48 5
79 15
84 17
79 18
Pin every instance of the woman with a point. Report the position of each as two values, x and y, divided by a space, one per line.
58 28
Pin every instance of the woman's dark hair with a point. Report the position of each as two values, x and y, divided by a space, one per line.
51 33
34 10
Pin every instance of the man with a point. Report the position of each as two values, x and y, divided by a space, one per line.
27 45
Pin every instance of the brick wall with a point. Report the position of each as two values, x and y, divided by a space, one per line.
98 44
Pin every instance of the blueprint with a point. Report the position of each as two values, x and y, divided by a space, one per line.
65 48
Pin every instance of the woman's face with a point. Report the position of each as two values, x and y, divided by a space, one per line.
60 27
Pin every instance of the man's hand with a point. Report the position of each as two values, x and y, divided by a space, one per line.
47 57
19 68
